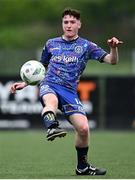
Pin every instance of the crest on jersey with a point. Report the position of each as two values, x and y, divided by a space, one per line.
78 49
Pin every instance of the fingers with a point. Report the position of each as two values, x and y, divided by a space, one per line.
120 42
17 86
13 89
114 42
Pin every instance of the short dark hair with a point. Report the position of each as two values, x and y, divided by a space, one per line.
71 12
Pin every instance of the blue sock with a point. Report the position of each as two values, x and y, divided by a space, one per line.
82 157
49 120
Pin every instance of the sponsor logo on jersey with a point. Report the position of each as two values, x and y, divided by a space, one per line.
70 59
66 59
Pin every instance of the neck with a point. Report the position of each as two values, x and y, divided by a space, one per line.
69 38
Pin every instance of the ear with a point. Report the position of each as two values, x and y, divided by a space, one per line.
79 24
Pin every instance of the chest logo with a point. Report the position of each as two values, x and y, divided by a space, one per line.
78 49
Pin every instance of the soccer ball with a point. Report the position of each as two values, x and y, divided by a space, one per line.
32 72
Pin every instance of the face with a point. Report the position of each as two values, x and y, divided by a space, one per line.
70 26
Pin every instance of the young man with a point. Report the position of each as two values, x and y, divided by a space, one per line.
65 59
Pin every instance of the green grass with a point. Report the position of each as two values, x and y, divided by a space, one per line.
27 154
124 67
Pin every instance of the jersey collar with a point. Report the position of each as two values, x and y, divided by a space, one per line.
70 40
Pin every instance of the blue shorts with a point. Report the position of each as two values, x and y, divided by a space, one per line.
69 102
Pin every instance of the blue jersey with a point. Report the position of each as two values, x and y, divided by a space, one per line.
66 60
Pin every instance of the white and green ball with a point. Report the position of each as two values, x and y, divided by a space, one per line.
32 72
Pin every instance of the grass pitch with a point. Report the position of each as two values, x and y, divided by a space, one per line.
27 154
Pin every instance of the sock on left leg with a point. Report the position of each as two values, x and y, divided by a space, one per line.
82 157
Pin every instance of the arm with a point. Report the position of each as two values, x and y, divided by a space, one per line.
46 55
112 57
17 86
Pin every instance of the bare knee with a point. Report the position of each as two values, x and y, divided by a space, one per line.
83 130
80 122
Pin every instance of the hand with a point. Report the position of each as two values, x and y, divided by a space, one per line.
17 86
114 42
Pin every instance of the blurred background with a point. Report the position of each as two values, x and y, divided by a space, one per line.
108 92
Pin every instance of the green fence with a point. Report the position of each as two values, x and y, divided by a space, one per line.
11 61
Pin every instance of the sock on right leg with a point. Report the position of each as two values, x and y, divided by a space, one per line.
49 119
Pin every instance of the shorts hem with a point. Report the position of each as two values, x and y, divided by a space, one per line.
71 113
41 97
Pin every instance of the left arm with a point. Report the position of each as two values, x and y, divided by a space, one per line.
112 57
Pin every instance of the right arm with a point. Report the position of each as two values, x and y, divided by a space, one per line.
17 86
46 55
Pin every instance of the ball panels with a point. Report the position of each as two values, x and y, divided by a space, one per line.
32 72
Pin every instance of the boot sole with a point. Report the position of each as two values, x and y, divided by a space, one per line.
53 136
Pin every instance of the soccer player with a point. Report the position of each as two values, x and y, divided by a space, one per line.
65 58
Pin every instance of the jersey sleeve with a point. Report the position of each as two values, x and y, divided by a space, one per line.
96 52
46 54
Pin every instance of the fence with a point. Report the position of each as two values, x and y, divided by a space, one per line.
11 61
108 101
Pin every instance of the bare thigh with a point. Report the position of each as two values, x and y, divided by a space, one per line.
51 102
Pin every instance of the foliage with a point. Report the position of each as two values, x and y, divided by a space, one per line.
101 20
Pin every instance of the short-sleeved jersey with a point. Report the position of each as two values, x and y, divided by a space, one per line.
66 60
